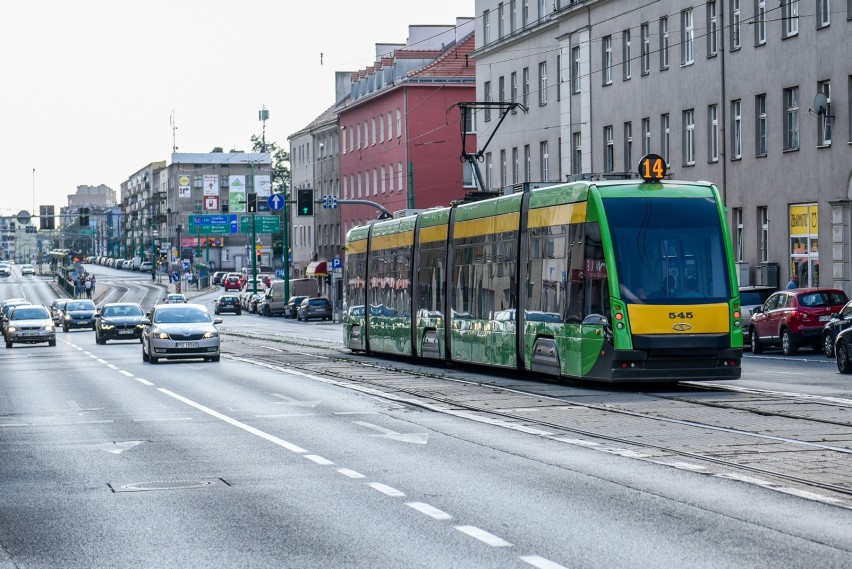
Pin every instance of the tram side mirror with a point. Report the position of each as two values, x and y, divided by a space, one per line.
596 319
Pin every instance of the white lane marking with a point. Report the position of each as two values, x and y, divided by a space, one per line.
291 401
430 511
350 473
143 381
93 356
355 413
683 466
578 442
280 415
744 478
385 489
483 536
808 495
541 562
247 428
157 419
102 361
414 438
124 372
624 452
17 424
112 366
318 459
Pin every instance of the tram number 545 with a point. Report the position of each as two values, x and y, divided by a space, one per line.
683 315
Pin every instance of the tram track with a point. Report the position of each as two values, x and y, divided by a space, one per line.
563 412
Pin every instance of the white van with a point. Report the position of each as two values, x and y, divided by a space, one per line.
274 302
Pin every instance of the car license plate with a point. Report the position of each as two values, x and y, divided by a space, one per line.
186 344
125 331
825 318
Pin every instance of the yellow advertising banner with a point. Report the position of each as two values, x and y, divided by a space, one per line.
804 220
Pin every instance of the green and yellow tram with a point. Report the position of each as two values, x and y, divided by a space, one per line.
623 280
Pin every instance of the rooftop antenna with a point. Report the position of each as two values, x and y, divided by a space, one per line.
173 123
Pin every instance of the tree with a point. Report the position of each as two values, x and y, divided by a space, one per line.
280 164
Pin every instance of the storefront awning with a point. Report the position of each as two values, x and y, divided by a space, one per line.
317 269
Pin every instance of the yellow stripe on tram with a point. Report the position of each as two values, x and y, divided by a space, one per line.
679 319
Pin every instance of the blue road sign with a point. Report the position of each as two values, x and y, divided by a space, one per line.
336 263
235 224
276 202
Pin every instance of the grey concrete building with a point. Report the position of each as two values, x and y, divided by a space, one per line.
753 96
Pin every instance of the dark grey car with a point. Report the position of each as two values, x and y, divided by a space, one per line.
314 308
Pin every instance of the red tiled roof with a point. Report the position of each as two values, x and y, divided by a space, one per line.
451 63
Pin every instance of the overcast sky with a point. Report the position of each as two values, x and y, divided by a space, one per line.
87 88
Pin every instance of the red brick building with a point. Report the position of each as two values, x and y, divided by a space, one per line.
400 140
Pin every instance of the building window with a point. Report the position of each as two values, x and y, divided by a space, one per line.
390 127
736 130
489 171
559 76
525 12
760 22
738 234
486 89
382 176
664 43
390 177
628 147
345 188
608 150
824 117
763 216
646 136
824 13
381 128
513 88
687 36
526 87
501 89
501 27
467 175
470 122
542 83
398 123
503 168
512 17
400 177
760 125
486 28
577 162
790 17
713 133
791 118
516 166
625 55
545 160
541 8
575 69
373 126
645 32
665 132
606 55
712 30
736 18
689 137
527 163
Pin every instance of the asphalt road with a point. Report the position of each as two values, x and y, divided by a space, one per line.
109 462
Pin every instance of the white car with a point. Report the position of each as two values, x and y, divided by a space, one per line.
180 331
27 269
5 269
29 324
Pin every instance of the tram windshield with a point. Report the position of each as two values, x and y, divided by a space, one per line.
668 250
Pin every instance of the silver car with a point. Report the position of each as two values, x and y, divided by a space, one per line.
178 331
750 298
29 324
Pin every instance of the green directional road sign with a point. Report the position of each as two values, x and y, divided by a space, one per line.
262 224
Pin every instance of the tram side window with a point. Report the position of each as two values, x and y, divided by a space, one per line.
594 272
502 277
547 277
431 279
402 282
575 298
355 271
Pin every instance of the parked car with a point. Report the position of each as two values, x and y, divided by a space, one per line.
793 318
27 269
118 321
254 303
318 307
5 269
228 303
832 329
29 324
78 314
292 308
843 351
750 298
146 267
180 331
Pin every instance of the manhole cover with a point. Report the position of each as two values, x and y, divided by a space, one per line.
167 485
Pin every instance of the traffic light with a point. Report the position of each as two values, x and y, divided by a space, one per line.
84 216
305 201
251 202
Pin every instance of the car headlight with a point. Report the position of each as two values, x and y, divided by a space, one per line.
105 326
211 334
140 326
48 327
11 328
67 317
159 335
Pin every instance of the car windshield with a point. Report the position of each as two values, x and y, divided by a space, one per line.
80 305
29 313
181 315
122 311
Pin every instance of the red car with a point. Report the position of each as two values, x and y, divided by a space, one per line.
232 282
794 318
